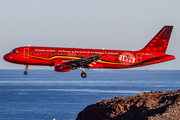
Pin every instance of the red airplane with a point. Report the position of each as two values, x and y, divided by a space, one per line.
66 59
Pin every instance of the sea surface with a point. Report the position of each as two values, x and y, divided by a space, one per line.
48 95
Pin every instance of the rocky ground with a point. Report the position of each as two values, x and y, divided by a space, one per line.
144 106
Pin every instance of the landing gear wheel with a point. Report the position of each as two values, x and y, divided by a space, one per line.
25 72
84 75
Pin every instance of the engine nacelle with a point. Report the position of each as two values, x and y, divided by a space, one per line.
62 66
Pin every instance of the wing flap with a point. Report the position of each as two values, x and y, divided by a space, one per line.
85 62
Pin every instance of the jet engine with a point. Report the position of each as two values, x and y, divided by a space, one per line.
62 66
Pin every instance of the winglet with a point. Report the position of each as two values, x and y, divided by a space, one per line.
160 41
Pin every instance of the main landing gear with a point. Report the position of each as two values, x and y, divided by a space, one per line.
83 74
25 72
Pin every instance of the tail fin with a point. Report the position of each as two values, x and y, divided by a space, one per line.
160 41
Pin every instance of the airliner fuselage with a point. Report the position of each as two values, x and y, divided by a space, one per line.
66 59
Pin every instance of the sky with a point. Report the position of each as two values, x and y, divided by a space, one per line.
109 24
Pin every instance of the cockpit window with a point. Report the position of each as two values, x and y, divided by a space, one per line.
12 51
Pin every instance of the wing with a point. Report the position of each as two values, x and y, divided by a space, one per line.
85 62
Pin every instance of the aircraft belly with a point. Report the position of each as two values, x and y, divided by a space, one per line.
114 65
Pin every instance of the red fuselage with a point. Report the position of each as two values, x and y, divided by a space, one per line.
66 59
114 59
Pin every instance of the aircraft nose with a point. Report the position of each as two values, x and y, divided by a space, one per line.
7 57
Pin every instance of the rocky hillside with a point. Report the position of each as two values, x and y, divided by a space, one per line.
144 106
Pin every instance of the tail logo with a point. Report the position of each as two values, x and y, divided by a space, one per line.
160 41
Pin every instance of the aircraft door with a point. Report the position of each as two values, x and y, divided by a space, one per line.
26 52
138 57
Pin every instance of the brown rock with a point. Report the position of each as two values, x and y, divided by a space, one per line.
156 105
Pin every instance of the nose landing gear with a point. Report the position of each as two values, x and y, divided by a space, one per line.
25 72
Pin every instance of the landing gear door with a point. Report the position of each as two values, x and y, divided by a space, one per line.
26 52
138 57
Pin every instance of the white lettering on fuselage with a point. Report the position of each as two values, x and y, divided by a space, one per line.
81 52
127 58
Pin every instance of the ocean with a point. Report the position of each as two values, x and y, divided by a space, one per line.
48 95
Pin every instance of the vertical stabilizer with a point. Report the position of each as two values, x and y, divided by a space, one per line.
160 41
